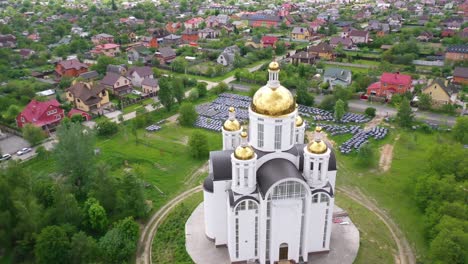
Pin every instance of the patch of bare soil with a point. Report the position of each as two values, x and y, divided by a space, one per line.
386 156
172 119
374 122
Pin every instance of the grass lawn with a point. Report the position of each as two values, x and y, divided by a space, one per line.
169 243
376 243
352 69
140 104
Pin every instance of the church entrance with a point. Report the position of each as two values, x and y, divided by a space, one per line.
283 252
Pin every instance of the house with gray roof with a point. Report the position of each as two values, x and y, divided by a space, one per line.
138 74
116 84
226 58
337 76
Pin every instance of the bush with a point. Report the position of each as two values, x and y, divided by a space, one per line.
106 128
198 145
370 111
187 114
193 94
33 134
366 156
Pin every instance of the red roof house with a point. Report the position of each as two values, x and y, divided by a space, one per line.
269 41
70 68
46 114
86 116
389 84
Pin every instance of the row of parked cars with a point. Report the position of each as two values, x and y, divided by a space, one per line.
19 153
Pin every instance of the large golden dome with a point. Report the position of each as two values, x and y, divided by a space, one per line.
273 101
231 124
244 151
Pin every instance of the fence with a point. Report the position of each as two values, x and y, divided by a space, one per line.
428 63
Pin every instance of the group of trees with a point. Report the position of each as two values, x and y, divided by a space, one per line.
76 213
171 90
441 194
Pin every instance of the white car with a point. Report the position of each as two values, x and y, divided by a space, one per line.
23 151
136 92
5 157
344 223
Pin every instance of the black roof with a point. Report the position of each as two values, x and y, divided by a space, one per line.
233 202
208 184
275 170
222 167
458 48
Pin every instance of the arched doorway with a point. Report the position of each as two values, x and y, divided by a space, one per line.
283 252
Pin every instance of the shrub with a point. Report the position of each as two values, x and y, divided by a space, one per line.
370 111
106 128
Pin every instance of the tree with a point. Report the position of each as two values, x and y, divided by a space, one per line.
33 134
178 89
179 64
106 128
165 93
193 95
77 118
201 87
220 88
198 145
280 48
114 6
339 110
83 249
52 246
102 62
95 215
405 114
365 156
328 103
460 130
370 111
131 197
11 113
425 101
119 243
303 96
187 114
74 154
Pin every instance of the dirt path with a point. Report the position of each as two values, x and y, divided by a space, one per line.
386 155
374 122
405 252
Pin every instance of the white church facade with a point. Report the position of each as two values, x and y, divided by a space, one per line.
268 196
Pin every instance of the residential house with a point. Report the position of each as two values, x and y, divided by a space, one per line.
389 84
322 50
347 43
70 68
208 33
173 27
226 58
264 20
447 33
119 69
26 53
441 92
150 86
45 115
102 38
34 37
165 55
190 35
211 22
457 52
317 24
193 23
359 36
108 49
73 112
460 75
422 20
117 84
454 23
300 33
463 34
171 40
138 74
337 76
88 97
395 21
425 36
153 42
139 53
269 41
7 41
89 76
304 57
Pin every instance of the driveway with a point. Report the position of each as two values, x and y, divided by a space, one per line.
11 144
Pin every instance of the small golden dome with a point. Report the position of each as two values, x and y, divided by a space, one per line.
232 125
318 129
273 66
299 121
244 151
317 147
231 109
273 101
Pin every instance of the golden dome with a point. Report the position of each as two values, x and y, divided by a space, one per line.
299 121
317 147
274 66
244 152
232 125
231 109
273 101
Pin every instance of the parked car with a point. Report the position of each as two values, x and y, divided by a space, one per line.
23 151
136 92
5 157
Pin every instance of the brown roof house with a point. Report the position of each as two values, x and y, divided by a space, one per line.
138 74
460 75
117 84
165 55
322 50
88 97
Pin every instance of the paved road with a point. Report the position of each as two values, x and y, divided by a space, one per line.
384 110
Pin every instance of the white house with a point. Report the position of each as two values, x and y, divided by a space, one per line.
268 196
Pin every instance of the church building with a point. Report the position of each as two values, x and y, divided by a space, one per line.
268 196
